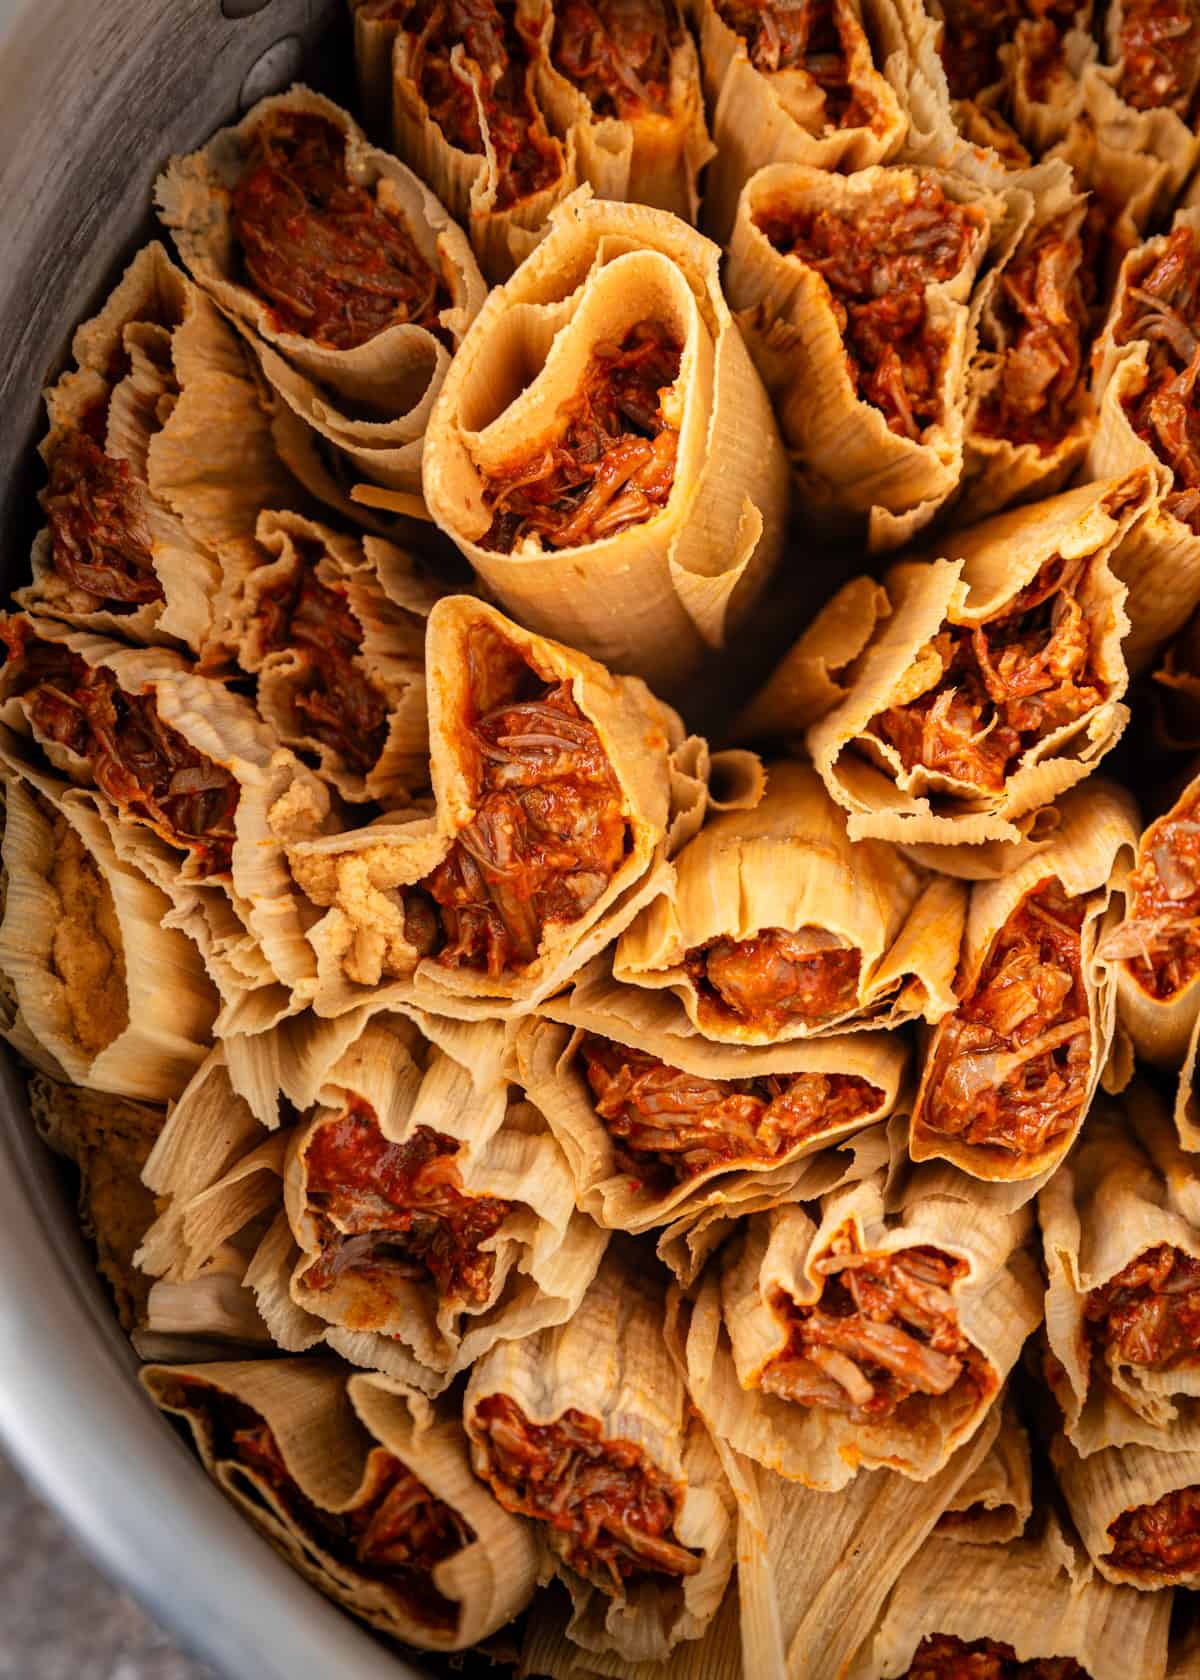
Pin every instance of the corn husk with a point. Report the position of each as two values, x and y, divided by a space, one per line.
788 863
548 1654
856 475
1100 1488
371 402
762 117
995 1502
610 1362
336 1438
735 1331
1091 853
1176 697
1159 133
985 568
1185 1650
1127 1188
1037 1595
390 600
361 947
1044 107
1129 190
652 597
547 1066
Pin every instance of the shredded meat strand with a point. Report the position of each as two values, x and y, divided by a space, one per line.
333 264
1148 1315
397 1209
1159 938
608 1512
613 463
973 31
670 1125
1011 1065
942 1656
618 53
811 36
1162 1538
99 540
878 260
776 977
1159 52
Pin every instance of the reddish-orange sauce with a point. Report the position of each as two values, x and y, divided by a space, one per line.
618 53
1162 307
1011 1066
99 541
813 37
333 265
1159 52
613 464
1040 333
337 702
1148 1315
549 830
776 977
396 1534
670 1125
143 765
608 1512
878 260
884 1333
1004 684
973 31
397 1208
1162 1538
941 1656
1160 936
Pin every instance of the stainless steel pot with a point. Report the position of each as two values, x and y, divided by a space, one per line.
94 95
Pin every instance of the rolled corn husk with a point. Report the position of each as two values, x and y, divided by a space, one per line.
855 473
548 1654
1177 692
364 945
637 1190
161 384
1126 1191
318 1462
1109 1493
995 1502
387 600
1046 91
652 596
737 1330
1036 1596
985 570
1152 126
1089 857
107 1139
788 864
610 1364
763 116
370 402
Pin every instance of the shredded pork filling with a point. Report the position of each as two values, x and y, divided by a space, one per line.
397 1533
143 765
1162 1538
335 700
1004 685
618 53
812 36
1012 1065
1159 939
334 266
884 1330
609 1513
397 1209
776 977
973 31
99 540
670 1125
878 260
1148 1315
942 1656
613 463
549 830
1159 53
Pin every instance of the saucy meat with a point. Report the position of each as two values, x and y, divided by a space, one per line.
1004 684
336 701
396 1534
609 1513
973 31
1160 936
549 830
1011 1066
1042 324
397 1208
812 37
1162 307
1160 1538
618 53
139 762
884 1330
1148 1315
1159 52
877 260
334 265
613 463
672 1125
776 977
941 1656
99 540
